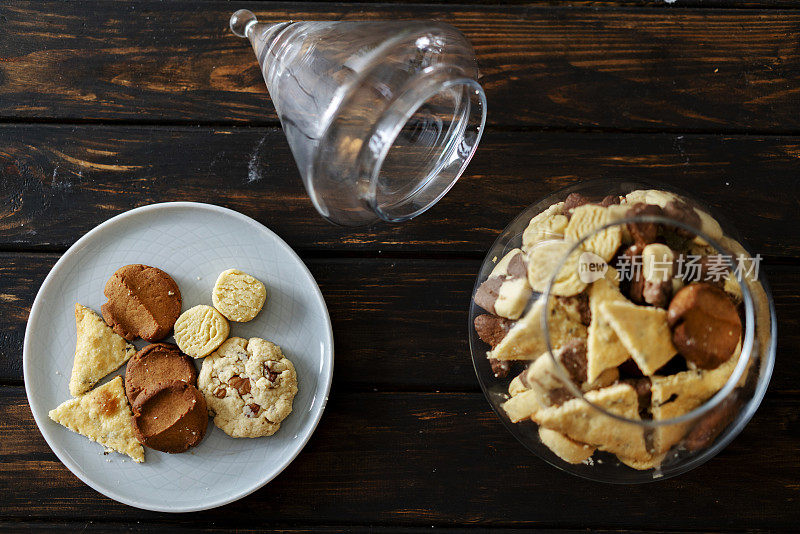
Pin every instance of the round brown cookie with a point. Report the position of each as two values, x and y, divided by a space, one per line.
156 364
142 302
171 418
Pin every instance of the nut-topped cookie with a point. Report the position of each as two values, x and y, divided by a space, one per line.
249 386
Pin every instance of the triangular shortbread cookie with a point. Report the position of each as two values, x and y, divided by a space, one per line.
102 415
644 332
604 349
581 422
526 339
98 352
678 394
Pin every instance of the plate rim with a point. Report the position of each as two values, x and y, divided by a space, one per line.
35 310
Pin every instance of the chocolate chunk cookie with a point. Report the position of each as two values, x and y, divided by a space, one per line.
142 302
249 386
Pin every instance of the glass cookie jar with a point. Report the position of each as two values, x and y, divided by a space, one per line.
621 331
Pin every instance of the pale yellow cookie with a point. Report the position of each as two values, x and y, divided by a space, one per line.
644 332
199 331
545 380
526 340
606 378
99 351
651 196
543 260
657 263
516 386
249 387
567 449
581 422
637 196
238 296
678 394
650 461
604 349
549 224
588 219
521 406
102 415
513 292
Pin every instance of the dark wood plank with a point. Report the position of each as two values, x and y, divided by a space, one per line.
57 182
112 527
398 323
665 4
574 67
403 459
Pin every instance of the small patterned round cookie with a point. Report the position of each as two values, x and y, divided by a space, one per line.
238 296
200 330
543 260
249 386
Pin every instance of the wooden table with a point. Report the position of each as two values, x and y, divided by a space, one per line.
108 105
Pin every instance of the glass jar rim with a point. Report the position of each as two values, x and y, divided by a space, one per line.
429 83
745 354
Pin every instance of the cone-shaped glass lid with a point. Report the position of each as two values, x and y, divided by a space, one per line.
381 117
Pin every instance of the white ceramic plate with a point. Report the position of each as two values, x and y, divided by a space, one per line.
193 243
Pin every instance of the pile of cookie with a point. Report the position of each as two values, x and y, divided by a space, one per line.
247 386
653 344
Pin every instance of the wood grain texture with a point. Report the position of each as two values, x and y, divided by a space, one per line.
114 527
403 459
162 103
554 67
400 324
58 182
663 4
